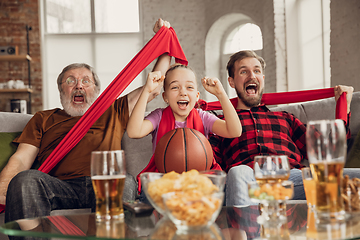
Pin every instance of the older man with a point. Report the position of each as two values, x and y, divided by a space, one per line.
30 193
264 132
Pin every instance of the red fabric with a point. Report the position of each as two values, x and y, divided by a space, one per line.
292 97
167 123
164 41
65 226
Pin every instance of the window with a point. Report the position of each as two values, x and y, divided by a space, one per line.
244 37
87 16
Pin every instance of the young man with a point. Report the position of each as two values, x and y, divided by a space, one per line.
31 193
264 132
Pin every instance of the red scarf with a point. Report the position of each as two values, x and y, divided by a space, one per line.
164 41
291 97
167 123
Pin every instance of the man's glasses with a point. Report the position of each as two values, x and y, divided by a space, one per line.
72 81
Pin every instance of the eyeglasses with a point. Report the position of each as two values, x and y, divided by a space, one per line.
72 81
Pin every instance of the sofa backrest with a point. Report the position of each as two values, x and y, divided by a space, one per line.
13 122
324 109
139 151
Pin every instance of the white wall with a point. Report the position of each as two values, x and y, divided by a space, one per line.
107 53
308 43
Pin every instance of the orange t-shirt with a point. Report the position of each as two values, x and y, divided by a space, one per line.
47 128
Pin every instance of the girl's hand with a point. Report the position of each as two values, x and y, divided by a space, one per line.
154 80
159 23
213 86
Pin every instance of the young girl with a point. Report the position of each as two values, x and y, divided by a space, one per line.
181 94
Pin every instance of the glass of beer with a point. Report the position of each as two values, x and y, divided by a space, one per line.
272 168
326 149
108 179
309 187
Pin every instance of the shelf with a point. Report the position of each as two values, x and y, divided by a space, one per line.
15 57
21 90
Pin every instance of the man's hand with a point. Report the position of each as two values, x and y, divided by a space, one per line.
159 23
339 89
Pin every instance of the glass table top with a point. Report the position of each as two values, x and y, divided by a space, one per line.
232 223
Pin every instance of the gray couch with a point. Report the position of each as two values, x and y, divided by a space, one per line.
138 151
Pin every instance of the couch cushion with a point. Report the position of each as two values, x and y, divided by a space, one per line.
353 158
13 122
138 153
7 148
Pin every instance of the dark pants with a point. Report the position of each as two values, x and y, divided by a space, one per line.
32 193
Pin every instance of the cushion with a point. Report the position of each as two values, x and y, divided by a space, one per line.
353 159
7 148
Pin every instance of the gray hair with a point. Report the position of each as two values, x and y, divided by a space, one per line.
76 66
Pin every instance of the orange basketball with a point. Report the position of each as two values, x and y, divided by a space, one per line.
183 149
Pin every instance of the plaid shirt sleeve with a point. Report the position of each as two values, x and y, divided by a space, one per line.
298 134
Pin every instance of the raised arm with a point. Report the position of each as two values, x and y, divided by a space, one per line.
21 160
162 64
231 126
137 126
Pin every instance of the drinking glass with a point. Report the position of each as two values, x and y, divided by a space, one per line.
271 168
271 190
309 187
326 149
108 179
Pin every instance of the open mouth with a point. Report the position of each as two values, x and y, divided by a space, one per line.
78 98
251 89
183 104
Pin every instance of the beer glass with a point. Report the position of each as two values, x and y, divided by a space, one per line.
108 179
326 149
271 168
309 187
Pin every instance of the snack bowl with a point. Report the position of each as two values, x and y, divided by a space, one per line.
351 195
192 210
153 197
155 184
270 191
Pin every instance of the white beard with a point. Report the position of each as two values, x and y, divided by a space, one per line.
76 110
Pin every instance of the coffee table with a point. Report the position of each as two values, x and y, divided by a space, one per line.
232 223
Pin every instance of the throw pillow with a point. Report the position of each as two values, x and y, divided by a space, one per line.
7 148
353 159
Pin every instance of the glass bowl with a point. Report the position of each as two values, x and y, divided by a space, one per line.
155 185
270 191
192 209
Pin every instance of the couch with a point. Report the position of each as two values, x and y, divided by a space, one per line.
138 151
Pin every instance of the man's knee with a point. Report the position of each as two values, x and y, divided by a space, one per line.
240 171
24 179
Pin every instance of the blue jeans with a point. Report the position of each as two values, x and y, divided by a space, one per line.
236 192
33 193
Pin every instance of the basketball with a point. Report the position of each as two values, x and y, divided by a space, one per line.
183 149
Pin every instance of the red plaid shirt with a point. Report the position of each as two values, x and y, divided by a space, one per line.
263 133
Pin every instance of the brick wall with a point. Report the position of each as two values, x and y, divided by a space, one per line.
14 16
344 41
191 21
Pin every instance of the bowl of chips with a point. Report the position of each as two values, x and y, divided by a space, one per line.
270 191
205 183
351 194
